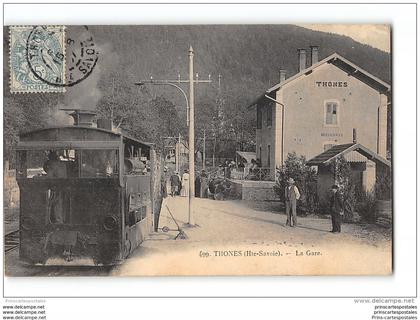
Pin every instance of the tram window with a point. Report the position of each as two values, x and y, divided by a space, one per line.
137 211
99 163
67 163
45 163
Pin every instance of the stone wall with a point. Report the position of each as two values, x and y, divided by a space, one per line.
254 190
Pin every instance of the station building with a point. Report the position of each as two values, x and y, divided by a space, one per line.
331 102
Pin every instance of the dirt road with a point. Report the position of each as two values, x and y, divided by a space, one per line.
237 237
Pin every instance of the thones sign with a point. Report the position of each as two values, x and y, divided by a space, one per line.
331 84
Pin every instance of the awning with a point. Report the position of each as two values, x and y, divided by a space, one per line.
247 156
342 149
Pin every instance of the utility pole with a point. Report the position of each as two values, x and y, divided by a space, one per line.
191 159
204 149
204 139
190 113
214 151
178 154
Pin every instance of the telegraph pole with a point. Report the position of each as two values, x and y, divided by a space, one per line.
191 159
178 159
190 120
204 150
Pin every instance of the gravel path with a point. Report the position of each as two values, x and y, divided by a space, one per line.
228 230
243 238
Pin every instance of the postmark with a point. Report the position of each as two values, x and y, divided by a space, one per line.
82 56
34 71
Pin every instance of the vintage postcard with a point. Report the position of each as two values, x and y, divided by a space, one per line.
198 150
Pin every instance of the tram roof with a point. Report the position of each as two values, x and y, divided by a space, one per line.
118 134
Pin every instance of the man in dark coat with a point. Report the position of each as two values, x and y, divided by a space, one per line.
336 209
175 182
197 186
203 184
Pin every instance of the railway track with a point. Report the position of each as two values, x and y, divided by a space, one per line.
11 241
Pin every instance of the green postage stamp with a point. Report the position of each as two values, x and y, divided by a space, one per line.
37 59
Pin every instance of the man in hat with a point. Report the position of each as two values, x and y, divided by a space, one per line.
175 181
291 195
203 184
336 208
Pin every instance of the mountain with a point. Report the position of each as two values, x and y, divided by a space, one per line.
247 57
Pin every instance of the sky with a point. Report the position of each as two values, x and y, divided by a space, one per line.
375 35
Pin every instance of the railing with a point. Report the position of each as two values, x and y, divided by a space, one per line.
257 174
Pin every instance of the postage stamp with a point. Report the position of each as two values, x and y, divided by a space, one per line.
37 59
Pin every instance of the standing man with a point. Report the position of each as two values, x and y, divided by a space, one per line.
180 184
175 181
203 184
163 182
291 196
336 209
197 186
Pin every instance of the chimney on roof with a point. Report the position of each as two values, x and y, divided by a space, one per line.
302 59
282 73
314 54
83 118
354 135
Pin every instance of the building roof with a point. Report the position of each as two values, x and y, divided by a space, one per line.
342 149
248 156
342 63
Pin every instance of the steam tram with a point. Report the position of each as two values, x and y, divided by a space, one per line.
88 196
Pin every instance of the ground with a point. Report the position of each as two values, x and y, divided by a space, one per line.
237 237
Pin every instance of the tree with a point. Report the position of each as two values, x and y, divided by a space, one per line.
305 178
121 103
26 112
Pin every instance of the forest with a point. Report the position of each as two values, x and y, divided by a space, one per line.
242 60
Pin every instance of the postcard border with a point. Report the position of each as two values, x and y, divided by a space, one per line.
393 175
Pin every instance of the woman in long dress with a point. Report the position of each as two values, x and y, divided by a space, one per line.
185 184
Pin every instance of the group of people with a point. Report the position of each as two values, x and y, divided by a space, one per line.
180 184
336 205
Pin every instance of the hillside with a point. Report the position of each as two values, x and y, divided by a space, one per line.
247 57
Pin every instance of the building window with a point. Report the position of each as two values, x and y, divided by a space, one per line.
269 110
268 156
331 113
259 117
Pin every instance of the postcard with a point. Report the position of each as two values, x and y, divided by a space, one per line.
190 150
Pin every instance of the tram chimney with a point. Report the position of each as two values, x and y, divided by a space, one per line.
83 118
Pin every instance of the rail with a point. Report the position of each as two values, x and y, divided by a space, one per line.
11 241
258 174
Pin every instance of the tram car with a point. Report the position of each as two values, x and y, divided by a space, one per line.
88 195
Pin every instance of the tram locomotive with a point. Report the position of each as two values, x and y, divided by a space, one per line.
88 195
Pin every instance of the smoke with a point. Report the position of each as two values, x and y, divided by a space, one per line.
58 117
87 93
